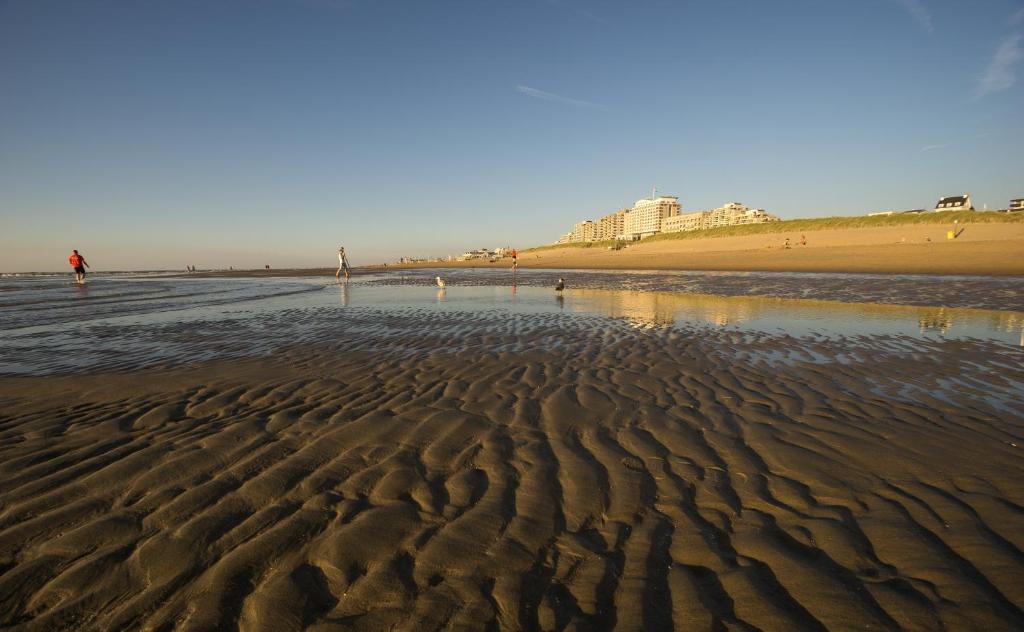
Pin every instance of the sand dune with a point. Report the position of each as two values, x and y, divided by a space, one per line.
982 249
597 479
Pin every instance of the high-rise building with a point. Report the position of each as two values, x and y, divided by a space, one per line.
645 218
584 231
612 225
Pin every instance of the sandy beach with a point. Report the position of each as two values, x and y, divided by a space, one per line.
982 249
383 456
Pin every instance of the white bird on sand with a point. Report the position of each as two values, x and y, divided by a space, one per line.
561 285
440 282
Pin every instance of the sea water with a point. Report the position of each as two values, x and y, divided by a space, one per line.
119 322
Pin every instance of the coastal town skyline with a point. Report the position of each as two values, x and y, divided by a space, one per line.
156 136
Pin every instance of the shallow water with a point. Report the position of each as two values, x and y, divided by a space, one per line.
48 325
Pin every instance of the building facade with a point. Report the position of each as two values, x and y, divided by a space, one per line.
955 203
731 214
612 225
584 231
647 215
650 216
736 214
683 223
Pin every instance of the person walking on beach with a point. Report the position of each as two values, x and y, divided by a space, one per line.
79 264
342 263
515 259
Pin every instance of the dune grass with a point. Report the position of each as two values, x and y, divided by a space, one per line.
823 223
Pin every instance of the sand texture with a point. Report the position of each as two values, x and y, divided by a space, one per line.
551 473
983 249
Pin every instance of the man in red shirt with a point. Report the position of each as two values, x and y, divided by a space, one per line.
78 262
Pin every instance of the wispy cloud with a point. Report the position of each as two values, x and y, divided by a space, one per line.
934 147
1001 71
1017 18
919 12
548 96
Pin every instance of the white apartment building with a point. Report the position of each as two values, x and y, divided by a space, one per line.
683 222
584 231
647 214
736 214
731 214
612 225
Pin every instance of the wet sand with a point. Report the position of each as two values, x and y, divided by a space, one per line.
418 470
982 292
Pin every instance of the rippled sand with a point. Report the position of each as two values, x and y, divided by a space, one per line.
416 470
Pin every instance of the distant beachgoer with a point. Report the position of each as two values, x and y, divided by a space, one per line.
560 285
515 259
786 245
342 263
803 240
79 264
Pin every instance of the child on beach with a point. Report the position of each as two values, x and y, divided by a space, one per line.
79 264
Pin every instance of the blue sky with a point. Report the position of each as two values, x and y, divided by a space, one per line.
157 134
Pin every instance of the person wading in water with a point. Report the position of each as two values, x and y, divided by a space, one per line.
342 263
79 264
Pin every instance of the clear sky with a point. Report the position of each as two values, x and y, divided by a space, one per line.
155 134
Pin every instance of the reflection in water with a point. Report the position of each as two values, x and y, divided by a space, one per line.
344 293
440 295
1008 321
938 320
664 309
661 309
560 300
942 320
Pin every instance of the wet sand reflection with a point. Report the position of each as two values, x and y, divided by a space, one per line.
665 309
